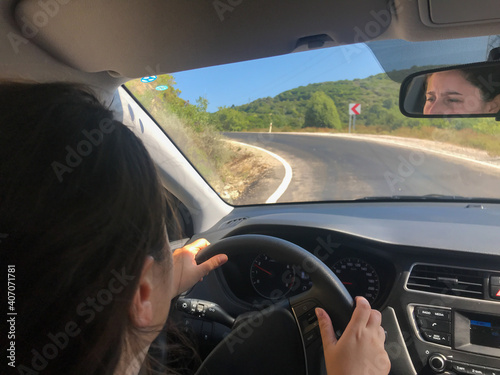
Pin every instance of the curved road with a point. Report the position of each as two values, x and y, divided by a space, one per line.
338 168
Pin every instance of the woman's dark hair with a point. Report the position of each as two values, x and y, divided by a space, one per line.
486 79
81 207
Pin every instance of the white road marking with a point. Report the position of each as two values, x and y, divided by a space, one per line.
286 180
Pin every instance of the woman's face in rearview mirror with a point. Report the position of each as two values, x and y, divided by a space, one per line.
449 92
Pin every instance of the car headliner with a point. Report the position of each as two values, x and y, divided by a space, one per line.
101 42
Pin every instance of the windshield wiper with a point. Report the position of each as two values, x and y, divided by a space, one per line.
430 197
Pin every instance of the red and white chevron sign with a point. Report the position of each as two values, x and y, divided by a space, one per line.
354 108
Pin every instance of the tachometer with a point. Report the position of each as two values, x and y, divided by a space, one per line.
359 278
270 278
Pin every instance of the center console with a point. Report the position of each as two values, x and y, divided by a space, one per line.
453 334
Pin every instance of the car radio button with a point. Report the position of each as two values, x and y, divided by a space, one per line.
437 337
437 362
434 325
461 368
433 313
491 371
423 311
441 314
476 370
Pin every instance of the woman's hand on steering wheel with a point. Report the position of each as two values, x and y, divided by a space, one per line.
186 271
360 350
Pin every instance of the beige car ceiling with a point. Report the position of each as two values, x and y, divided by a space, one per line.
133 38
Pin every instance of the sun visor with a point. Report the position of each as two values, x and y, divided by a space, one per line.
136 38
447 12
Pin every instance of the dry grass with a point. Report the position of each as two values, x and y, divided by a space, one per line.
246 167
463 137
227 167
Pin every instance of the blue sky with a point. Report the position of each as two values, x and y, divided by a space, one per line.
241 83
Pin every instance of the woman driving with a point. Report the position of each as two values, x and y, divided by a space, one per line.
84 217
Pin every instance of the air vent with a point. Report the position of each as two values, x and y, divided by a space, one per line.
460 282
232 223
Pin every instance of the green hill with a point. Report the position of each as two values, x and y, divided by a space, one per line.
378 95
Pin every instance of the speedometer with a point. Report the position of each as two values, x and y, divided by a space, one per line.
359 278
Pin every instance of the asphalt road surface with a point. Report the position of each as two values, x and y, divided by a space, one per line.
339 168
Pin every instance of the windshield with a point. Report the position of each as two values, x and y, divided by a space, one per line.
325 125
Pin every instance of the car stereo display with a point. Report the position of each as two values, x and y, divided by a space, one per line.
476 333
485 331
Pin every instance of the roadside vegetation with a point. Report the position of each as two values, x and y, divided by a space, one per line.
228 168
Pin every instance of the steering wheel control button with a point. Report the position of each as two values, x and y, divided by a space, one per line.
308 321
311 336
304 307
311 317
437 362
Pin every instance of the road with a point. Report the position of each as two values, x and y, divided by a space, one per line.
338 168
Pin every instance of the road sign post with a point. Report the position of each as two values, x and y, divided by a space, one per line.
354 110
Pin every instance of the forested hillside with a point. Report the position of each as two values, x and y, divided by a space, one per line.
294 109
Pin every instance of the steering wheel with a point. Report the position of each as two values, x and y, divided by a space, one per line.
284 337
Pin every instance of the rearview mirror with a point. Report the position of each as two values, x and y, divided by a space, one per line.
471 90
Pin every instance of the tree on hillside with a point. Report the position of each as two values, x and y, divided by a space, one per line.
229 119
195 115
170 96
388 103
149 96
322 112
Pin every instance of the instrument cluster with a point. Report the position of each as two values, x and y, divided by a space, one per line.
258 277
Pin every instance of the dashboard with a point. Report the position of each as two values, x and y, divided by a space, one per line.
433 270
364 270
